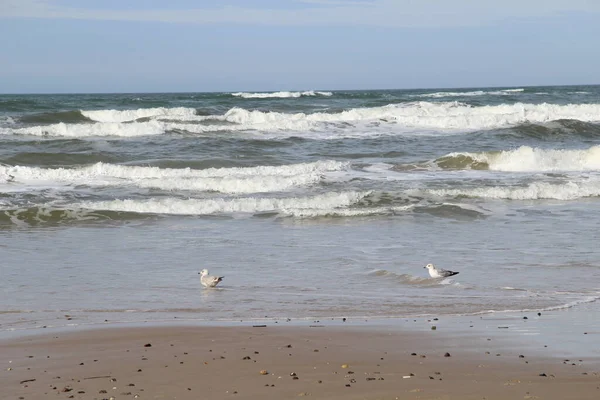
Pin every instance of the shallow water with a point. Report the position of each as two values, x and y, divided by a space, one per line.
312 205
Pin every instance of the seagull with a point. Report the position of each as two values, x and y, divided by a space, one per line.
209 281
438 272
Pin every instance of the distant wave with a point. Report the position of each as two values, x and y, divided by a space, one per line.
132 115
504 92
526 159
110 116
55 117
355 122
280 95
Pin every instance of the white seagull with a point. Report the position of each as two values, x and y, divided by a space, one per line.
438 272
209 281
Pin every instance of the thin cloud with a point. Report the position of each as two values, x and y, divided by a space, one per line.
388 13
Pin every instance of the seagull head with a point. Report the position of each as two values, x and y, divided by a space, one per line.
204 272
429 266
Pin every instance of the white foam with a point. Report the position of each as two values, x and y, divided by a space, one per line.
226 180
257 184
572 304
280 95
6 119
357 212
327 201
122 171
357 122
525 158
505 92
132 115
533 191
446 115
90 130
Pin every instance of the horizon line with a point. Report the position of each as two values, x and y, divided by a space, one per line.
298 90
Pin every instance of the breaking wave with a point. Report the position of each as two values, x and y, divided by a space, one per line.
353 212
393 118
55 117
349 204
174 206
525 159
89 130
280 95
504 92
132 115
49 216
226 180
421 115
532 191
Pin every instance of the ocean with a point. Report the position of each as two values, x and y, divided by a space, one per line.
313 205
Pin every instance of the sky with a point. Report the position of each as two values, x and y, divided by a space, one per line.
75 46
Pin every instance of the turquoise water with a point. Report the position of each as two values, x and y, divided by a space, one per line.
312 204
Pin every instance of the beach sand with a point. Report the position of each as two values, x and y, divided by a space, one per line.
283 362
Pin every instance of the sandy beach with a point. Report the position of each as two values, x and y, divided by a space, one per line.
285 362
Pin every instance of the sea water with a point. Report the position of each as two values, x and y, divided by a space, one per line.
313 204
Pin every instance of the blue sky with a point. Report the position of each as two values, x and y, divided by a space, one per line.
53 46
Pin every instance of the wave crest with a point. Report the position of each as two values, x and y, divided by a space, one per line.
533 191
503 92
393 118
280 95
132 115
246 205
51 216
226 180
525 159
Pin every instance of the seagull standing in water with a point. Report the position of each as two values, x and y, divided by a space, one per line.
209 281
438 272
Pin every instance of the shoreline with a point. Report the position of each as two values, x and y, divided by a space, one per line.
462 359
564 330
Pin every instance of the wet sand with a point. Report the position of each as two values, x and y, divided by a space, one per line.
284 362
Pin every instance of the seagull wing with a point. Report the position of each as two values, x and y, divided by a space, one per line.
445 273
